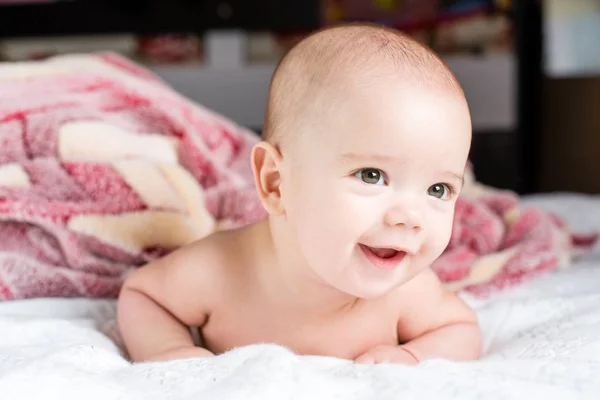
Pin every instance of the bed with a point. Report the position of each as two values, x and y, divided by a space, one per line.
61 265
541 340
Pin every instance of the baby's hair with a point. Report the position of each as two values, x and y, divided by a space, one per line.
324 61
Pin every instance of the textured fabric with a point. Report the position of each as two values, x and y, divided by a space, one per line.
497 241
104 168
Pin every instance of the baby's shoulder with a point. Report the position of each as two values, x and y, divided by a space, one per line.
215 262
210 251
223 249
418 294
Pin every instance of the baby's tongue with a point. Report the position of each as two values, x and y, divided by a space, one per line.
383 253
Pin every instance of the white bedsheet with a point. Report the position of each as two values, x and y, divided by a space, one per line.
542 340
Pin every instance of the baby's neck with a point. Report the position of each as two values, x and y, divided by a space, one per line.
290 282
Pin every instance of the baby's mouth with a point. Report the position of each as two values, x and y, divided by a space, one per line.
382 252
384 258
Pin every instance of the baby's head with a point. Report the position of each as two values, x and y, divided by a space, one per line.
366 140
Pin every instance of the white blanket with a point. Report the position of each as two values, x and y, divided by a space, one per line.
542 340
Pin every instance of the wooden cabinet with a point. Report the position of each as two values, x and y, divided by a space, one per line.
570 143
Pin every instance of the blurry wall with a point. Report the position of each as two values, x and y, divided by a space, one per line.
570 156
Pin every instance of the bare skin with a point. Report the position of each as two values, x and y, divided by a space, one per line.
360 200
211 285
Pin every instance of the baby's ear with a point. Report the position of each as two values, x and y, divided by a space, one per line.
266 163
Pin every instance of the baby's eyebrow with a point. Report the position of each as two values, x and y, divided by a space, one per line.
460 177
366 156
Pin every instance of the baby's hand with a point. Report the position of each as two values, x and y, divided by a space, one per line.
180 353
387 354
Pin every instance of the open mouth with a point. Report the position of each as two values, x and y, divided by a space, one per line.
382 252
383 258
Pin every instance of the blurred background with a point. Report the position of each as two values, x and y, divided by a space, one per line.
530 69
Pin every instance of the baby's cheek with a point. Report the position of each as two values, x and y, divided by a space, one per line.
441 239
331 227
317 218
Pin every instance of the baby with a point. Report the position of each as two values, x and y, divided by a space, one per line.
366 140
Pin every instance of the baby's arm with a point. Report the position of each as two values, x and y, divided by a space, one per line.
159 301
434 323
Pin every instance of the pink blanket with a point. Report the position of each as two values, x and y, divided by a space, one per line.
104 168
496 242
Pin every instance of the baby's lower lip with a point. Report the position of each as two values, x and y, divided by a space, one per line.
385 264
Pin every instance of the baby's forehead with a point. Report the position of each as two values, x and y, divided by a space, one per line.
315 79
379 113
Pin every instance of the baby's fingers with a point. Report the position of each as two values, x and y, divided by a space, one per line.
365 359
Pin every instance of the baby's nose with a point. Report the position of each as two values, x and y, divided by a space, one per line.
409 218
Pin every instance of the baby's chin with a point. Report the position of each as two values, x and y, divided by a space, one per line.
367 286
361 280
367 290
370 294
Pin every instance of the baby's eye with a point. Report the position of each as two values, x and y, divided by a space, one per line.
439 190
372 176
